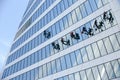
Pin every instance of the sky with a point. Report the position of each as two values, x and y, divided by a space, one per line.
11 12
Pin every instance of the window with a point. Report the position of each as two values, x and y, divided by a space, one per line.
62 5
96 50
36 73
99 3
90 74
53 63
65 78
83 10
49 71
78 57
116 68
103 73
28 76
57 27
74 17
84 54
70 20
102 47
71 77
88 7
77 76
44 70
78 13
58 65
96 73
43 53
73 59
93 4
65 20
83 75
110 71
65 3
54 30
67 58
118 37
40 72
63 63
61 25
114 42
108 45
90 52
32 76
84 36
105 1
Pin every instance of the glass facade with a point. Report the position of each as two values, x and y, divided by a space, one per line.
45 49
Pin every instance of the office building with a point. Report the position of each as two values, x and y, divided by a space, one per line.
66 40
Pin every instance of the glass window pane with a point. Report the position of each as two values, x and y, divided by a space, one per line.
73 59
32 74
114 42
28 76
58 65
65 20
74 17
70 21
63 63
43 53
99 3
93 4
66 3
84 54
79 33
118 37
61 25
69 65
36 73
53 63
116 68
78 56
83 11
84 36
40 72
71 77
88 7
49 71
89 74
57 27
83 75
96 73
105 1
44 70
90 52
103 73
77 76
102 48
110 71
65 78
78 13
108 45
96 50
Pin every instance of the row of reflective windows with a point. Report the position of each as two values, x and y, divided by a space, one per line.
59 8
41 38
34 16
92 51
29 5
106 71
59 26
44 6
